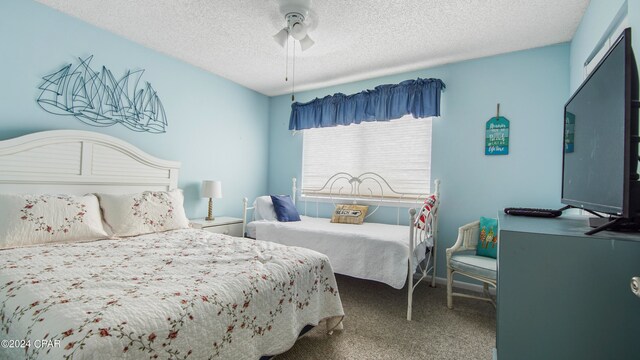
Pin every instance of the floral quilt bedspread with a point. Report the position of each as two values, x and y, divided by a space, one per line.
183 294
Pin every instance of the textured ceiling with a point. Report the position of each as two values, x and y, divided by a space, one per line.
354 39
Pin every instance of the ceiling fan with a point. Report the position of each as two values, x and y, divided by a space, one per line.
295 12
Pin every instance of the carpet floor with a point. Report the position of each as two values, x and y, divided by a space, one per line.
375 326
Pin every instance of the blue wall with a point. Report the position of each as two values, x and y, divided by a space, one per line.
221 130
531 87
595 21
217 129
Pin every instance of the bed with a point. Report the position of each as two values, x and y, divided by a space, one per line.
391 254
183 293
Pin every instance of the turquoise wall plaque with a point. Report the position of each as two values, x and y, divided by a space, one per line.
497 136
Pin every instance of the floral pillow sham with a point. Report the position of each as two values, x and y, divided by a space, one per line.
41 219
143 213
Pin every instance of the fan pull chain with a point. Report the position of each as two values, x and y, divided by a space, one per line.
293 75
286 61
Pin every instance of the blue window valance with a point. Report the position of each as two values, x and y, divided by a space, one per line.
419 97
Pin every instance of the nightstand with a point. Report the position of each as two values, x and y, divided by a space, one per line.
221 225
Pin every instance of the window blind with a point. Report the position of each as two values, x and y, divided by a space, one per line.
398 150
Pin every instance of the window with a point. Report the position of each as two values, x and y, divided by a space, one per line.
398 150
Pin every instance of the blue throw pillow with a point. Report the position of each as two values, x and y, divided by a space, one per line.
285 209
488 242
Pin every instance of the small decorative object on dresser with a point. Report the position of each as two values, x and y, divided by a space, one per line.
221 225
211 189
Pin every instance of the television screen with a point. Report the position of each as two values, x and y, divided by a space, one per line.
595 129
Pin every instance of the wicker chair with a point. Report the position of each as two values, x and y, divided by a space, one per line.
462 259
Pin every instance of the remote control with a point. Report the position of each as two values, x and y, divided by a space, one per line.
547 213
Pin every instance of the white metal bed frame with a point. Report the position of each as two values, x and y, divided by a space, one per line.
359 190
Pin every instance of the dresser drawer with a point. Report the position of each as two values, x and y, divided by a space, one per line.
229 229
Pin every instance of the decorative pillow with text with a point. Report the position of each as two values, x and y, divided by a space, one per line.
349 214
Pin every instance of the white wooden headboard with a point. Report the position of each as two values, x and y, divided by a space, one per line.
79 162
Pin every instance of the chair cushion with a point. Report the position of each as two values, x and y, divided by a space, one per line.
476 265
488 242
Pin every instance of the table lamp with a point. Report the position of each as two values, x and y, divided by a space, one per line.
211 189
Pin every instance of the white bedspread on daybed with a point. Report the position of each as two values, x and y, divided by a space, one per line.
369 251
184 293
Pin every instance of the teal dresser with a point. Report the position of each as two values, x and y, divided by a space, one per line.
565 295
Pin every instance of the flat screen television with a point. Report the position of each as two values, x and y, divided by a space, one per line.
600 152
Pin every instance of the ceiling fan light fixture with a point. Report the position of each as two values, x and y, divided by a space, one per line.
298 30
306 43
295 13
281 37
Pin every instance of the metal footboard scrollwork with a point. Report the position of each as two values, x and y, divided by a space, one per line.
426 234
367 187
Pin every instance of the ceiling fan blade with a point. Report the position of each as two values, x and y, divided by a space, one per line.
306 43
281 37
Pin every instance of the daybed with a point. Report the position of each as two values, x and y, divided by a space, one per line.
183 293
390 254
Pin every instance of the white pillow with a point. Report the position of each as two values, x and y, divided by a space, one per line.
143 213
41 219
264 209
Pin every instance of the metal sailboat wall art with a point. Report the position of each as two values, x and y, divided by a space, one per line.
97 98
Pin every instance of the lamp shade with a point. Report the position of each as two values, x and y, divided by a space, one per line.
212 189
298 31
